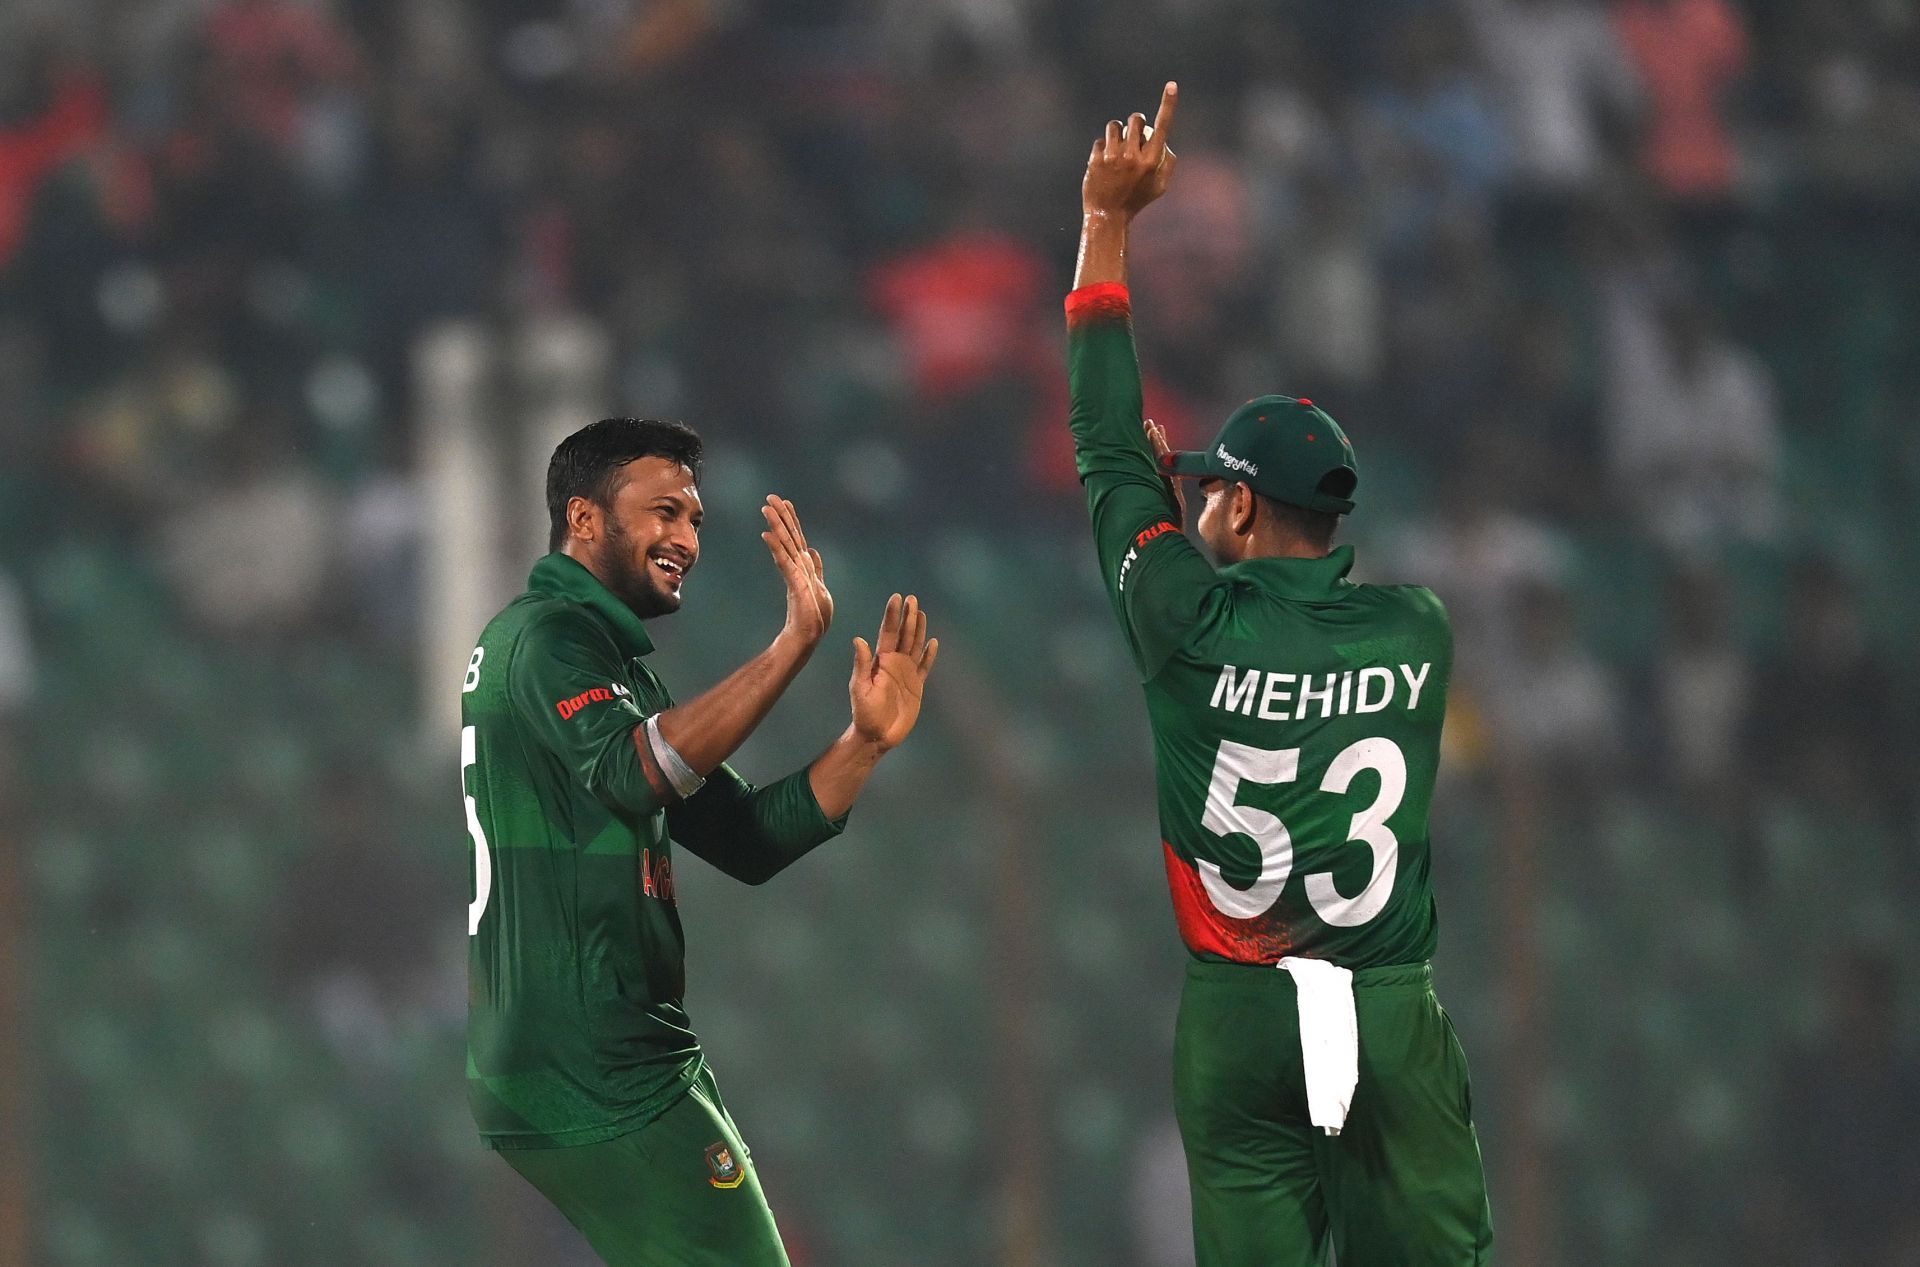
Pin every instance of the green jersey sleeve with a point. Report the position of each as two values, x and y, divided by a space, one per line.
564 683
1159 583
752 833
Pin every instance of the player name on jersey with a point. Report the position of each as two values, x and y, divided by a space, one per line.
1273 696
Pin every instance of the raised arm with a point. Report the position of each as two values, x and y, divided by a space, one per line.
752 833
1129 167
705 731
889 679
1157 580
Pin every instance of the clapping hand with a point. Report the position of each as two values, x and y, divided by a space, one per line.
890 676
809 602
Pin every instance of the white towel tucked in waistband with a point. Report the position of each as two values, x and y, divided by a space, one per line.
1329 1038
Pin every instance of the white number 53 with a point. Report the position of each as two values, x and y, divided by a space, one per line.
1238 763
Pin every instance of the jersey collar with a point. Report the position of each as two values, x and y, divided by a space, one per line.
1309 580
569 578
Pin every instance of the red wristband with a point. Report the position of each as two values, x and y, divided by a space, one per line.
1102 300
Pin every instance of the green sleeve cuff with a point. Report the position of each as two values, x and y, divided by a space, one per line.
795 814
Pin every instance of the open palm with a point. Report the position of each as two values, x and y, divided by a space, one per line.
809 601
890 676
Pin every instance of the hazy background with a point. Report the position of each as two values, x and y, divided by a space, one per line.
1619 302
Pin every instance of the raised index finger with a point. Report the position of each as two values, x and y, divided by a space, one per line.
1163 120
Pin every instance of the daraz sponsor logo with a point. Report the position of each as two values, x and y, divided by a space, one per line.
568 707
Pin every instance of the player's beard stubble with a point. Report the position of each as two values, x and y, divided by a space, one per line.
624 571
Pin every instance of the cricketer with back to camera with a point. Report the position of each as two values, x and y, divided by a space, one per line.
581 774
1321 1093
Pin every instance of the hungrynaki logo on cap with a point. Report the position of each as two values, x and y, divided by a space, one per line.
1233 463
1277 445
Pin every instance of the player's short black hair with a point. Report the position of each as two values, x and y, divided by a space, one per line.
588 462
1314 527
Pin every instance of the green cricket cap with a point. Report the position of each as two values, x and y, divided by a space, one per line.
1282 447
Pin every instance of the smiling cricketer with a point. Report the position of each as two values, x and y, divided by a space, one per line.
582 775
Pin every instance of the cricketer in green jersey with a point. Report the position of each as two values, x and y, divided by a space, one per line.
1321 1093
581 775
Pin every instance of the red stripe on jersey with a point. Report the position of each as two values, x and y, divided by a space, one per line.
1102 301
1209 932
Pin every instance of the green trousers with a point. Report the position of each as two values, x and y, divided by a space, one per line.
1400 1186
678 1192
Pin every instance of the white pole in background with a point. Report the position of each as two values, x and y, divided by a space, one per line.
561 361
462 581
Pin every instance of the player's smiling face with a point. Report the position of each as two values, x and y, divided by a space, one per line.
652 536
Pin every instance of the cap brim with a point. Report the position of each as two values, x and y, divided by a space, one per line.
1189 464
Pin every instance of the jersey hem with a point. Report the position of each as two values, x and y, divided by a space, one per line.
1413 974
507 1141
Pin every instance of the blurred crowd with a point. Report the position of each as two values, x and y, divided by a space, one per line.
1617 298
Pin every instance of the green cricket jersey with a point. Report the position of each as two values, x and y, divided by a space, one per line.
1295 714
576 1031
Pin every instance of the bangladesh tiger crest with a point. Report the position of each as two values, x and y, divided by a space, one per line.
726 1168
